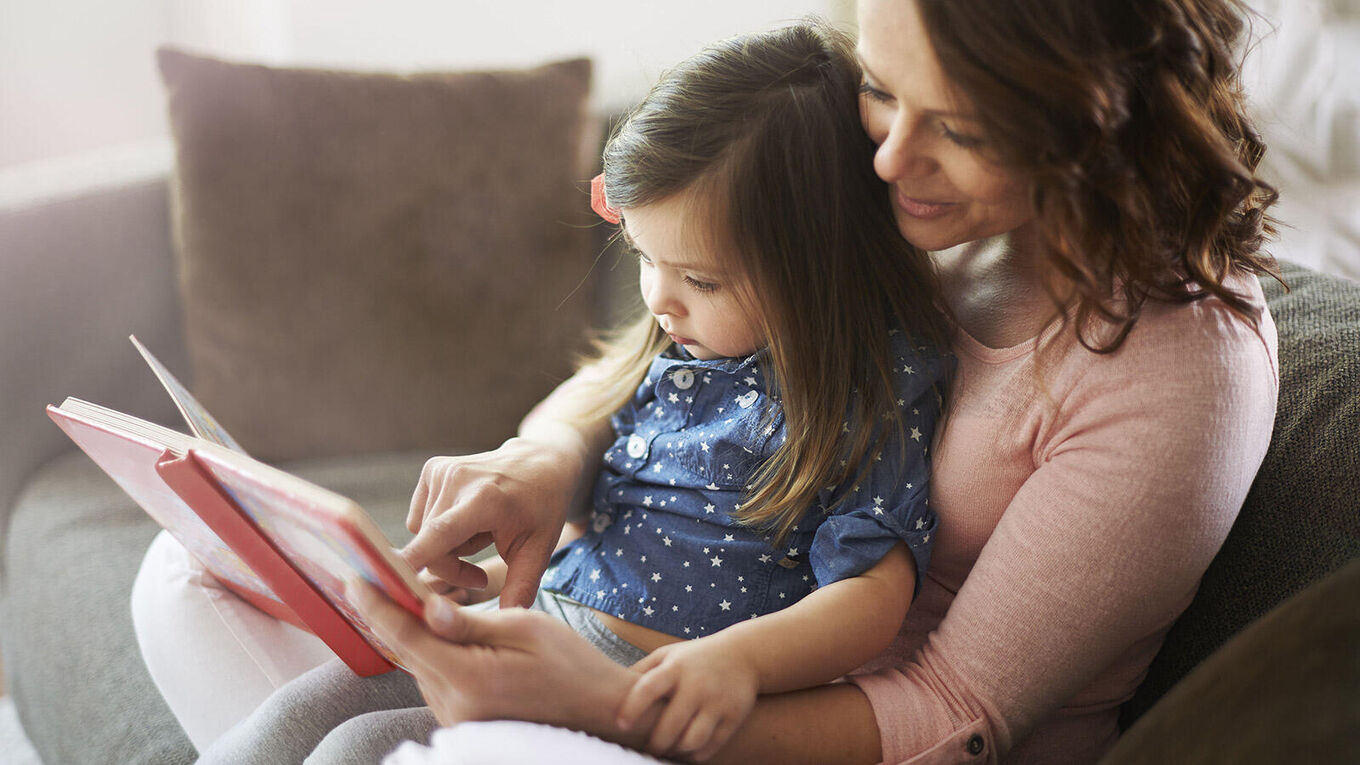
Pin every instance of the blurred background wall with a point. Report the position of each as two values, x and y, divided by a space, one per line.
80 100
78 75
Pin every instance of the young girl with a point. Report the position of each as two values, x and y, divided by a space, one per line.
760 521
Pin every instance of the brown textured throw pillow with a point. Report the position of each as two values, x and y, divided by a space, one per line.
373 261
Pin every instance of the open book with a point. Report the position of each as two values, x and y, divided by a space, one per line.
284 544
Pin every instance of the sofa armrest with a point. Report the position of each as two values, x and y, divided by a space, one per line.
86 251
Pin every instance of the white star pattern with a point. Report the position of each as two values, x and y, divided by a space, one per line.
684 446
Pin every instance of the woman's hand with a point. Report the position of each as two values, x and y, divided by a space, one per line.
517 497
508 664
709 690
495 570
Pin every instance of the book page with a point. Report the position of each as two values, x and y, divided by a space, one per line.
127 450
203 424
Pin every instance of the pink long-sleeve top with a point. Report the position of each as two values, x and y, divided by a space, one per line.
1079 507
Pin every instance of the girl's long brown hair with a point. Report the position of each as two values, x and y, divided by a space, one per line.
1129 117
764 128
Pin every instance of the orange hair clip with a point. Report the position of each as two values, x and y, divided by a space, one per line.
599 204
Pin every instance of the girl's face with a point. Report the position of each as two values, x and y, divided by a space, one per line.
930 151
695 300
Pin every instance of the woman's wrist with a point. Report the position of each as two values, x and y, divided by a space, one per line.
595 711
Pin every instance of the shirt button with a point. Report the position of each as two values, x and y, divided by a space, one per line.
683 379
747 399
637 446
976 745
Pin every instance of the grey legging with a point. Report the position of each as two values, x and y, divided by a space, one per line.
330 715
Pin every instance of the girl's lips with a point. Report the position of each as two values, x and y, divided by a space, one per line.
681 340
917 208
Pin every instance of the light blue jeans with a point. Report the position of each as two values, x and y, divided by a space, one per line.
330 715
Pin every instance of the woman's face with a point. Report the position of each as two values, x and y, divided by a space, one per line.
944 190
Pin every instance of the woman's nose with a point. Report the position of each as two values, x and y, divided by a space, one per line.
900 155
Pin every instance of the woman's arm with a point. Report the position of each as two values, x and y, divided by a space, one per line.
526 665
1139 471
517 497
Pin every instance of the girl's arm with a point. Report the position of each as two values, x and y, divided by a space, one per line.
710 684
517 496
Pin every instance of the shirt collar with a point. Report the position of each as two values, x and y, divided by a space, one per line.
729 365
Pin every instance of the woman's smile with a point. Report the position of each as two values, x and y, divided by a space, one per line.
920 208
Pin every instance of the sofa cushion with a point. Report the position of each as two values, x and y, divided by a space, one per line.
76 543
372 261
1283 690
1300 520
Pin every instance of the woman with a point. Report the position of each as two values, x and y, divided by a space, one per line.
1084 174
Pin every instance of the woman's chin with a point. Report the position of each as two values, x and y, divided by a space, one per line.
931 235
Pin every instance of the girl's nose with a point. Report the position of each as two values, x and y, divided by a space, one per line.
660 297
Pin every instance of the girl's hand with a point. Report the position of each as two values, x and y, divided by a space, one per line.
495 570
516 497
711 689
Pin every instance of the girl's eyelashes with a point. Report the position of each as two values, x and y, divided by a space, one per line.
696 284
700 286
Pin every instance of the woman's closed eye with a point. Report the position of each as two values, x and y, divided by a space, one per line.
873 93
962 140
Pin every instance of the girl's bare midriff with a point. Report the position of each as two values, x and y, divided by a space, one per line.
646 639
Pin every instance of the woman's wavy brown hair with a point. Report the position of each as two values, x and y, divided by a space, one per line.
1129 118
765 128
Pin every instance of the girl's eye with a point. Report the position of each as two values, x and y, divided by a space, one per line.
965 141
700 286
642 258
873 93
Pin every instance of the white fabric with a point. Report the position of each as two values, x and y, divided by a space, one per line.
213 656
509 742
1300 77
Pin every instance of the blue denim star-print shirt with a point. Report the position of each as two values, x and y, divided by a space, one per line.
663 549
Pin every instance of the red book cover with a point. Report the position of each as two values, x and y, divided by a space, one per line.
282 543
187 477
